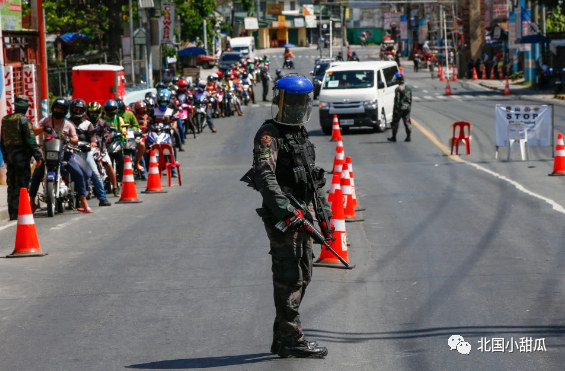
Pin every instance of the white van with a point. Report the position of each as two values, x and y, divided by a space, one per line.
359 93
244 45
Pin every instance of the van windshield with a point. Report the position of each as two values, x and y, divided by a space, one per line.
349 79
241 49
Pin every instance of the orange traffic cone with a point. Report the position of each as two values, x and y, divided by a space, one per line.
454 77
439 70
354 192
336 131
475 76
492 75
335 185
27 243
153 176
484 75
506 88
447 88
339 158
559 162
349 210
339 245
129 193
500 72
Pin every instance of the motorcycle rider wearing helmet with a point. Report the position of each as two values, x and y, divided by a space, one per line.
63 129
86 133
288 56
94 114
184 96
232 85
201 92
165 112
246 79
110 121
281 153
279 74
130 121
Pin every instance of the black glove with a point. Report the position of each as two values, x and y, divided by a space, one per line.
37 156
295 222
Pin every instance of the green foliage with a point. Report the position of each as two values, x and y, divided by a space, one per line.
555 21
192 13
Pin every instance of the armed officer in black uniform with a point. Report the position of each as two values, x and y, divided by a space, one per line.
18 146
283 169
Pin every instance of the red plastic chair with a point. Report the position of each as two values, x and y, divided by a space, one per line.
461 132
167 161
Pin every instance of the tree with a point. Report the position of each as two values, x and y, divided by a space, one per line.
555 21
192 14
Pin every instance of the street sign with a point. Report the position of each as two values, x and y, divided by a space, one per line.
146 4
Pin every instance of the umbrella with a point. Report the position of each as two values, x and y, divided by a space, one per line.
289 45
71 37
186 52
534 39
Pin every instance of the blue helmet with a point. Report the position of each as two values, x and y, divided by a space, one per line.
399 76
292 100
164 98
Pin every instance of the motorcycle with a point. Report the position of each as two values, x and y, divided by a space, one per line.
159 133
220 95
246 93
201 105
130 149
288 63
58 189
97 154
229 108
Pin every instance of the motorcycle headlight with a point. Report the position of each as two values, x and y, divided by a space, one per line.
324 105
371 104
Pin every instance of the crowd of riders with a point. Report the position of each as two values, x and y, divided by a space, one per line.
102 135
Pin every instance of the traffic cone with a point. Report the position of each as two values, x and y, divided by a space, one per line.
339 158
349 208
500 72
559 162
354 194
439 70
336 179
336 131
27 243
339 245
484 76
153 176
129 193
506 88
475 77
492 75
454 77
447 88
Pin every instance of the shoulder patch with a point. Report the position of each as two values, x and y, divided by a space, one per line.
266 139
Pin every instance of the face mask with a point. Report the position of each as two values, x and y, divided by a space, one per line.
58 115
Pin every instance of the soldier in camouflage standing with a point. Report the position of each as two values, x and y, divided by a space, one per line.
18 146
283 164
402 107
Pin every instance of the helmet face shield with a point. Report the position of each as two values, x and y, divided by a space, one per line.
292 103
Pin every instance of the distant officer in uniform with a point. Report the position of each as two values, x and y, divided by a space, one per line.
283 163
402 107
18 146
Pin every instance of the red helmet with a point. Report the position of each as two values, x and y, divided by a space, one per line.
220 74
140 108
182 84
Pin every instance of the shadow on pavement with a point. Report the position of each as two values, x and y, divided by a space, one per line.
471 331
205 362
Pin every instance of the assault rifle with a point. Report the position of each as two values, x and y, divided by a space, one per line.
309 228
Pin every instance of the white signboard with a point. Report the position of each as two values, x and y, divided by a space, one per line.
251 23
310 21
30 92
9 88
537 117
299 22
167 23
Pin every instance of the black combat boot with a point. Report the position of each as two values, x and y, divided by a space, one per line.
391 139
276 345
303 349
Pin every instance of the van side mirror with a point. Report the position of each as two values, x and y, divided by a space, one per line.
381 85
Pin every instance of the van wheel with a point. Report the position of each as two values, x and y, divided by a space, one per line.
381 126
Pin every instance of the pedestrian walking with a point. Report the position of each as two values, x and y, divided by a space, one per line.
18 145
264 74
283 169
402 107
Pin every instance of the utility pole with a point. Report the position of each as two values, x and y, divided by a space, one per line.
131 45
37 15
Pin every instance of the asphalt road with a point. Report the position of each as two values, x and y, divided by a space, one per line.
468 246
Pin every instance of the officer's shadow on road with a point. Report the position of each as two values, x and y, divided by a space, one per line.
206 362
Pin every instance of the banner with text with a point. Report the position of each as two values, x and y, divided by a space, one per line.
30 92
167 23
539 119
9 88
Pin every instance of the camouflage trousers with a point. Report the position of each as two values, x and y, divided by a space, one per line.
292 256
396 117
18 175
